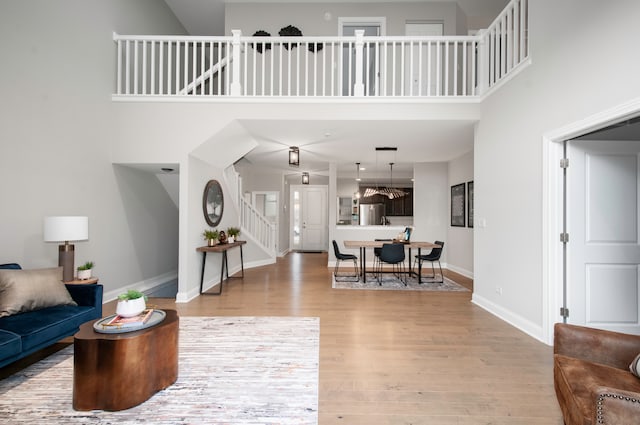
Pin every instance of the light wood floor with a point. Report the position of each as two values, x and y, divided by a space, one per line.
389 357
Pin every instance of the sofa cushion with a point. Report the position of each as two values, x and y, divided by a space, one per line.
634 367
10 266
10 344
577 381
29 290
45 325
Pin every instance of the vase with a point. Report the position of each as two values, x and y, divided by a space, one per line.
84 274
130 308
211 242
231 239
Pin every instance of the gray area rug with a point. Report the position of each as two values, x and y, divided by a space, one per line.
232 370
392 283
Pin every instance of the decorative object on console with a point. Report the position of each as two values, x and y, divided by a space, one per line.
233 233
66 229
222 237
84 271
213 203
131 303
211 236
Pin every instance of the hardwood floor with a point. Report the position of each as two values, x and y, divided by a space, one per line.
390 357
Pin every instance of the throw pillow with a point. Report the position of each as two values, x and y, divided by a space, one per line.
634 367
29 290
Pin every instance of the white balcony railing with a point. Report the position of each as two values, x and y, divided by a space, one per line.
240 66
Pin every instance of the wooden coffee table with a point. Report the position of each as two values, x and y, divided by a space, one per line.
120 371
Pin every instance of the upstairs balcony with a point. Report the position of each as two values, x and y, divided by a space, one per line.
454 68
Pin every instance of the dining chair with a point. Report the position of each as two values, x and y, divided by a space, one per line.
392 253
376 252
432 257
344 257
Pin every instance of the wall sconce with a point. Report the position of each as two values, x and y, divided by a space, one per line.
305 178
65 229
294 156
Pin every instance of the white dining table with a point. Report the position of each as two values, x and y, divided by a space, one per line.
363 245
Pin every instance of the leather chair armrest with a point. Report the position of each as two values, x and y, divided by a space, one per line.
596 345
614 406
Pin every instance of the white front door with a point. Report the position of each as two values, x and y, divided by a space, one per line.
603 253
309 217
421 69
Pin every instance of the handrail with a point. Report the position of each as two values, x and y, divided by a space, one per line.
318 66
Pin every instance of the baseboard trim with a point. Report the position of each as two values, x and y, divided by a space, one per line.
142 286
459 270
526 326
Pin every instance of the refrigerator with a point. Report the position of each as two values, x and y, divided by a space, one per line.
371 214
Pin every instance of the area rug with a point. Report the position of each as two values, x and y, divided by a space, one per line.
232 370
392 283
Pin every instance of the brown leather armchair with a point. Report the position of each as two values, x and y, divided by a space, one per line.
591 376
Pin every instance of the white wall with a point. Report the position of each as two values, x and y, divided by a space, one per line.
310 17
431 203
56 131
583 62
459 243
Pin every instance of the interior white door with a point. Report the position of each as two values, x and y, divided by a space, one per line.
421 70
603 253
309 217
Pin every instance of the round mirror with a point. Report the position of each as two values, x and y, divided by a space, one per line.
213 203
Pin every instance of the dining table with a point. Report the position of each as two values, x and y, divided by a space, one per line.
364 245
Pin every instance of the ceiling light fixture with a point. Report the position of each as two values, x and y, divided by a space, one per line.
294 156
305 178
358 172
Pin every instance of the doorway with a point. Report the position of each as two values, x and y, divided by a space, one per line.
563 291
309 221
424 58
371 70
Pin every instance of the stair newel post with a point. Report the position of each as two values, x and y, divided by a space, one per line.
236 88
358 87
482 74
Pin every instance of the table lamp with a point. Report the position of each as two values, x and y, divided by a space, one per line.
65 229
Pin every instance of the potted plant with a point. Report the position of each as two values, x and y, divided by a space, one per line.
131 303
233 233
84 271
211 236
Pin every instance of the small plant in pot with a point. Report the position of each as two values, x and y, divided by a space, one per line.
84 271
131 303
233 233
211 236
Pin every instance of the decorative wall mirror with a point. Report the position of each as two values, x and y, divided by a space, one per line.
213 203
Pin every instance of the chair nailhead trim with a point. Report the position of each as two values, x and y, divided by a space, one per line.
600 403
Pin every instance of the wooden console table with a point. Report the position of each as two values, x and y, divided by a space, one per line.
121 370
222 248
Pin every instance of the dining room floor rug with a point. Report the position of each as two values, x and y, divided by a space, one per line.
232 370
392 283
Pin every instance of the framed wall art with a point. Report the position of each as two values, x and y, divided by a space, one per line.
470 204
458 193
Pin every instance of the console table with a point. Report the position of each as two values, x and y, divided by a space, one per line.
222 248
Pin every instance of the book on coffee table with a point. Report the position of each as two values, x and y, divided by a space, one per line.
130 322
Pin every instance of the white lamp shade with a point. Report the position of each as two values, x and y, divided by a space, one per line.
59 229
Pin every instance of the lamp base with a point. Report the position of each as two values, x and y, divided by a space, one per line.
66 254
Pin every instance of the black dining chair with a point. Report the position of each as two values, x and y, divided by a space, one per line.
345 257
432 257
376 252
392 253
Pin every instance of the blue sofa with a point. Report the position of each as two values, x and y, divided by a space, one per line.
25 333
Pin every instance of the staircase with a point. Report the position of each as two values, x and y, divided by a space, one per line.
253 224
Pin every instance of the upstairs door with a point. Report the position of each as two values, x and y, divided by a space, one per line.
421 69
310 227
371 68
603 251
